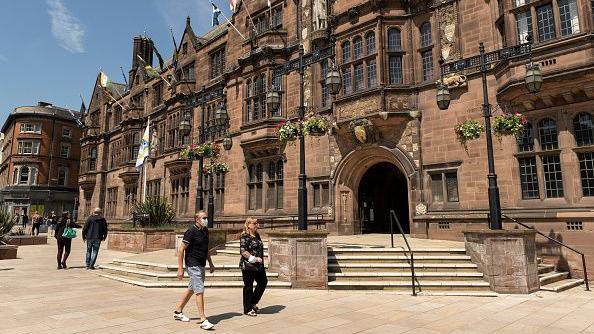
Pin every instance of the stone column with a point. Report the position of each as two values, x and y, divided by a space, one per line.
299 257
506 258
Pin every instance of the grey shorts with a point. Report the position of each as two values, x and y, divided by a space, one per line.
196 275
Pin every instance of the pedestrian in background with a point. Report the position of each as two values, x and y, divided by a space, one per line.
251 263
24 219
64 243
94 231
194 249
36 220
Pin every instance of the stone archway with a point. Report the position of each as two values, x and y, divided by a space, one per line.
348 175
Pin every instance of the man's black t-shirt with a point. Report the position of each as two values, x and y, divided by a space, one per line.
196 240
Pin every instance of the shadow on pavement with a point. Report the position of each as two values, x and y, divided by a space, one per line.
223 316
272 309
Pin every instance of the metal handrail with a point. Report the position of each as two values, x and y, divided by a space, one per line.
558 243
393 218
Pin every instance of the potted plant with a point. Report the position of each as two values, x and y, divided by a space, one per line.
288 131
206 150
315 125
159 211
468 130
509 125
6 224
216 167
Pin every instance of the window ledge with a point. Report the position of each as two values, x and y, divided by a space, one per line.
584 149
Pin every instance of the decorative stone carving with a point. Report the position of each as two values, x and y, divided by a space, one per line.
448 21
319 14
357 108
421 209
454 80
363 130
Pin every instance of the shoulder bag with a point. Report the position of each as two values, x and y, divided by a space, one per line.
69 232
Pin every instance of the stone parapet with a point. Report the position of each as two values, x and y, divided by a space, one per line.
141 240
8 252
506 258
25 240
299 257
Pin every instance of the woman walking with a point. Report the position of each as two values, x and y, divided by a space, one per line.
63 243
252 266
36 219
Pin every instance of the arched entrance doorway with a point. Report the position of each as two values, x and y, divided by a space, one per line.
382 188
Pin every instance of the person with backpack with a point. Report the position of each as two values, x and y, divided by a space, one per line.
251 263
194 250
64 233
94 231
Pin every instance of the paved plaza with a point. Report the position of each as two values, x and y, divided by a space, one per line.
37 298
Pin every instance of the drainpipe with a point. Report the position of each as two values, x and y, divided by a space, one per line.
51 158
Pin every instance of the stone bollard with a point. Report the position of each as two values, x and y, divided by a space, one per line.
299 257
506 258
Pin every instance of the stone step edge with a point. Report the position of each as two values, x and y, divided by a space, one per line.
172 266
572 283
401 265
174 275
552 276
405 283
373 249
183 284
400 257
406 274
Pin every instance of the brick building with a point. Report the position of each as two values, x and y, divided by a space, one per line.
387 52
40 159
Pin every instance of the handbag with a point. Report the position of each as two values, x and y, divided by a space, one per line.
253 267
69 232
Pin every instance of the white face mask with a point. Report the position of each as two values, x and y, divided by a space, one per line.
204 222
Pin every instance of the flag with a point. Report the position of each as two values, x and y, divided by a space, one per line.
269 4
234 5
148 70
158 55
215 15
104 80
143 151
175 56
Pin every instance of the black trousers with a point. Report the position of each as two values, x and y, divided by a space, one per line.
252 296
35 229
64 245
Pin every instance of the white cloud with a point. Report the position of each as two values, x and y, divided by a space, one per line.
66 28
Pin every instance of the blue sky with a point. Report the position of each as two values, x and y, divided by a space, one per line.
51 50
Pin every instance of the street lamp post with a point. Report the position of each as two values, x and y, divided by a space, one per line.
333 82
533 81
192 100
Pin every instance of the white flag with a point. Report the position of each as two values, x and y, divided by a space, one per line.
143 151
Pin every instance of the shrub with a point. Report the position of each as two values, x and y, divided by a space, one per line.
6 224
509 125
315 125
468 130
160 212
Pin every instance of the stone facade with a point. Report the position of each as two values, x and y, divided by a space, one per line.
40 159
387 52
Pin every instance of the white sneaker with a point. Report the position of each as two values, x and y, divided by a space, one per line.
206 325
180 317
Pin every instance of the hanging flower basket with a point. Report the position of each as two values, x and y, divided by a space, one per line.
509 125
206 150
315 125
468 130
288 132
216 167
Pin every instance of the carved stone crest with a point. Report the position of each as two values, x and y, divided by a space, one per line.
454 80
448 21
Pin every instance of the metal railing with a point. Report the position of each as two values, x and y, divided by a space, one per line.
558 243
393 218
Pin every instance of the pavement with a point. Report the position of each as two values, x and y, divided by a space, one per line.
37 298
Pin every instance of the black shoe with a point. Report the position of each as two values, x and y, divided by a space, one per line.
92 268
256 309
64 265
59 266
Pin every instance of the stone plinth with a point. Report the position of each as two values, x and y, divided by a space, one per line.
25 240
140 240
217 237
8 252
299 257
506 258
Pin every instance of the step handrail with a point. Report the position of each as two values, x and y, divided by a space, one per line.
558 243
393 218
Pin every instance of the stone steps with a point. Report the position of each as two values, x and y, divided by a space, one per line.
405 276
555 281
552 277
400 267
421 285
562 285
545 268
397 258
160 267
184 283
218 275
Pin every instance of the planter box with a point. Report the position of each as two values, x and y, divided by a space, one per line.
8 252
25 240
140 240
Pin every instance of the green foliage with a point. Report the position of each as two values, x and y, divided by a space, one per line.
206 150
216 167
288 132
315 125
509 125
6 224
468 130
159 210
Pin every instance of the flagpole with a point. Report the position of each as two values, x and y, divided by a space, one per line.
144 165
249 15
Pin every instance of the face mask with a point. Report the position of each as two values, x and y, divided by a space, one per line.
204 222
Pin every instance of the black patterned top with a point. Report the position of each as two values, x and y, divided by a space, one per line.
253 245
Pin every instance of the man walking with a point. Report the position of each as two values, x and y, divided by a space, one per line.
194 249
94 231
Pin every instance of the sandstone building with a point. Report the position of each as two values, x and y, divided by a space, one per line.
40 159
388 55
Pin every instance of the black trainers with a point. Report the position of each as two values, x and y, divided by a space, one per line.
59 266
64 265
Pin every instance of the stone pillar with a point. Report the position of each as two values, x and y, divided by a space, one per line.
299 257
506 258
